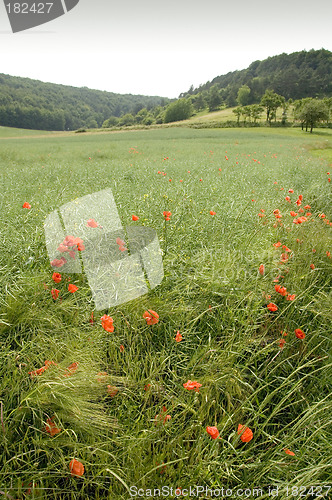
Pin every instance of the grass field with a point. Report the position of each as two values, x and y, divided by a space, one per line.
124 412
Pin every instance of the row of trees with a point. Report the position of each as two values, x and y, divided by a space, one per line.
308 111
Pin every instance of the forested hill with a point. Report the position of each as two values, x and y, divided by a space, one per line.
32 104
297 75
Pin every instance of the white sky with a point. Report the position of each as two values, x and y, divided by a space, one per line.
155 47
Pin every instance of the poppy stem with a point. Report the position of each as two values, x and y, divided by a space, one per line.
2 424
165 232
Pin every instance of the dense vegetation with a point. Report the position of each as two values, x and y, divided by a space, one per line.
294 76
244 314
31 104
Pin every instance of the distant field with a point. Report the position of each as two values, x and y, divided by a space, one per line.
230 249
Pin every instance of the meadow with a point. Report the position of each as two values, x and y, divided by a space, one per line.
244 316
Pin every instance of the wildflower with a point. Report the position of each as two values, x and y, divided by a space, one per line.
134 217
307 207
328 254
163 417
151 317
167 215
72 288
56 277
76 468
107 323
192 385
286 248
91 223
291 453
112 390
55 293
282 342
212 212
261 269
290 296
91 320
245 433
278 244
299 333
121 348
312 266
272 307
213 431
26 205
281 289
51 428
58 262
288 199
284 257
291 190
71 369
178 336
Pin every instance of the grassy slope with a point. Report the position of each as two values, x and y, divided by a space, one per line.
231 348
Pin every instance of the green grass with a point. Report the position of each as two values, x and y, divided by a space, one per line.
212 293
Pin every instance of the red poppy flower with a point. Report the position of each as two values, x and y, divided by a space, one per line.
291 190
213 431
212 212
245 432
26 205
282 342
112 390
312 266
299 333
291 453
163 417
58 262
72 288
91 223
151 317
281 289
261 269
134 217
56 277
55 293
107 323
178 336
277 244
51 428
71 369
76 468
307 207
272 307
122 348
192 385
167 215
300 197
291 296
287 199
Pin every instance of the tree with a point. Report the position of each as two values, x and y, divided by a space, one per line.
214 98
271 101
313 112
237 111
181 109
243 95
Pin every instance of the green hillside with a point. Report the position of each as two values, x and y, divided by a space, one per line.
296 76
32 104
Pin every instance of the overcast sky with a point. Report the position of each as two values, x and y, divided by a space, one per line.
155 47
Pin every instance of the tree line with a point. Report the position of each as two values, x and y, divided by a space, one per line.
31 104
